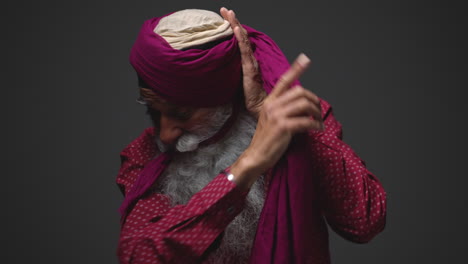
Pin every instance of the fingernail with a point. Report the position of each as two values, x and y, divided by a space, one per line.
303 59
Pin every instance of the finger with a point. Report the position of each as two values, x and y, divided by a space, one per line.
293 73
231 15
302 107
243 36
295 93
249 63
224 13
298 94
301 124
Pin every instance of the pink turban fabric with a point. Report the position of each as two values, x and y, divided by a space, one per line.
192 77
290 224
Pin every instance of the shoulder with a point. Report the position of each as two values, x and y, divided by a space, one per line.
141 149
134 158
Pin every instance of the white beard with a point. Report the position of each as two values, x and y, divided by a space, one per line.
189 172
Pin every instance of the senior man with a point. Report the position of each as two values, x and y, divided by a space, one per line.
242 164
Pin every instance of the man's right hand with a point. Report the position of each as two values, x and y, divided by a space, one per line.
284 112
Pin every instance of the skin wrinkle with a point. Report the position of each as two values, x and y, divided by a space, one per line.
190 171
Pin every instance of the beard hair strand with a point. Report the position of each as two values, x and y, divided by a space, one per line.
192 170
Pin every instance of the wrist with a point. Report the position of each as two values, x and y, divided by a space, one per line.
244 172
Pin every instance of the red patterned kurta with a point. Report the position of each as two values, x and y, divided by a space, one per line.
154 232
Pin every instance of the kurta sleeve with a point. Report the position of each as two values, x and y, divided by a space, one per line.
155 232
353 199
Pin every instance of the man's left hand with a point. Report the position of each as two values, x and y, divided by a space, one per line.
252 80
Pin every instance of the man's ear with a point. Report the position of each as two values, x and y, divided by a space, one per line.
148 96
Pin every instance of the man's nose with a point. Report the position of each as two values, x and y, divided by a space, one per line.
169 130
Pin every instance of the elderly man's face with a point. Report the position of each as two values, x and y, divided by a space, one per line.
174 122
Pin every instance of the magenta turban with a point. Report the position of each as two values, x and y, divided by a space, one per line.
192 77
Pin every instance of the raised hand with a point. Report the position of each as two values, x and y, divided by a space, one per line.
252 79
283 113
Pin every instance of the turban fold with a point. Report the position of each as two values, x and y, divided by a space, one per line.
288 226
192 27
199 77
191 77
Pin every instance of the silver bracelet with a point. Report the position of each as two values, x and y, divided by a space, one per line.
228 174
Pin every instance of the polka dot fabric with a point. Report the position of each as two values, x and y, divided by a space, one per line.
352 198
156 233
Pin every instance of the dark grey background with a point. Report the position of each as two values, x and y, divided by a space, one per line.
393 70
